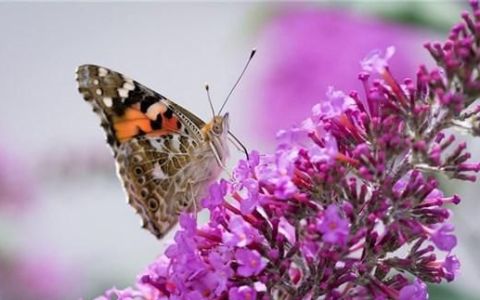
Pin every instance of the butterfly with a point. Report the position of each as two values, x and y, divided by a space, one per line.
166 156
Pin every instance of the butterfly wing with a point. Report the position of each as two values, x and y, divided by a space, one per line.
158 145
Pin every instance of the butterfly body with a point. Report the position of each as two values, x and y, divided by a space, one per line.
166 156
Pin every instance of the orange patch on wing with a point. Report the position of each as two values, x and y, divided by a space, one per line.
132 123
170 124
131 114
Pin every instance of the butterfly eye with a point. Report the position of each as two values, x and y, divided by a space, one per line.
217 128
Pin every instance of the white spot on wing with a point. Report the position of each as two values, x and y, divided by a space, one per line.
123 93
96 82
98 91
107 101
128 85
153 110
102 72
175 142
157 144
158 173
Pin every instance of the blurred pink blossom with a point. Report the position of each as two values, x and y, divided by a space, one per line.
30 277
16 183
311 49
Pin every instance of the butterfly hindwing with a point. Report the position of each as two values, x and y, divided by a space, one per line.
158 145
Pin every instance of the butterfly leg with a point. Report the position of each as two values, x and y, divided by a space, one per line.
227 171
220 162
193 198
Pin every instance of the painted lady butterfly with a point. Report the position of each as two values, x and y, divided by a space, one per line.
166 156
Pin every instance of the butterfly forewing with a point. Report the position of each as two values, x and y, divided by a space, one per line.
162 157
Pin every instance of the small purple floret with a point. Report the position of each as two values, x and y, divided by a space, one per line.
250 262
333 227
415 291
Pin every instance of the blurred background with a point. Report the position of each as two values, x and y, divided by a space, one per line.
65 228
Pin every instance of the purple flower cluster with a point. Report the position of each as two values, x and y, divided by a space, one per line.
347 207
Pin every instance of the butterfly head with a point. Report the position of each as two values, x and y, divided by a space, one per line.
217 128
216 134
217 131
220 125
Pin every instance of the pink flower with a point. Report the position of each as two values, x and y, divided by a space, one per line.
240 233
444 238
333 227
16 183
242 293
376 62
415 291
451 267
216 193
250 262
311 49
31 277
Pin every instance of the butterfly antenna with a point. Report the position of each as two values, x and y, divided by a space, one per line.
207 88
238 144
238 80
